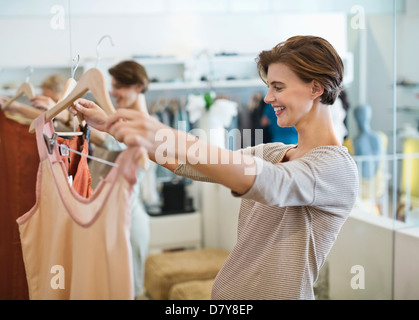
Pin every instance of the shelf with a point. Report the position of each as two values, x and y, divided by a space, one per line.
11 92
412 109
252 83
203 85
159 61
410 85
168 73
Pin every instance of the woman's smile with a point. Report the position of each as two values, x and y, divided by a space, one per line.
278 110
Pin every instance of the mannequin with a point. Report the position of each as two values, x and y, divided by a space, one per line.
368 142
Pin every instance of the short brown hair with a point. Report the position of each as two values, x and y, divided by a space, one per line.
311 58
129 73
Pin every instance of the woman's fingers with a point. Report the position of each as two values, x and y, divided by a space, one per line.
132 139
124 114
86 103
94 115
121 128
42 102
131 136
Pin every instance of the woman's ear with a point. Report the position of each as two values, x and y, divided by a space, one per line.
139 88
316 89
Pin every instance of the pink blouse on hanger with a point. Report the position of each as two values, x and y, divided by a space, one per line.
73 247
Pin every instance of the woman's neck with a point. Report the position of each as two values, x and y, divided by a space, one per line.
317 130
139 104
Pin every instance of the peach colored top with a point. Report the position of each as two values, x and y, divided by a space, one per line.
73 247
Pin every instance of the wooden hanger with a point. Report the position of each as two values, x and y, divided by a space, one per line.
69 87
94 81
25 88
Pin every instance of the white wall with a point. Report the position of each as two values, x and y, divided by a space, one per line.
406 267
387 252
180 34
362 242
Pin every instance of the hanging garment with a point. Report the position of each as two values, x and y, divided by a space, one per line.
76 165
99 170
77 248
19 161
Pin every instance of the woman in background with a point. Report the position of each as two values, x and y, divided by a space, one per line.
129 83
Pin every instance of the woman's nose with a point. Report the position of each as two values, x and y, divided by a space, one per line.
269 98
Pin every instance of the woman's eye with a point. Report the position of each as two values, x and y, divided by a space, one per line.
278 89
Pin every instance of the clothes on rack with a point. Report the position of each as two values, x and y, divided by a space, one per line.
173 114
254 115
77 248
19 162
18 170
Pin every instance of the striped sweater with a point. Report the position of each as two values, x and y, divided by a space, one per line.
288 222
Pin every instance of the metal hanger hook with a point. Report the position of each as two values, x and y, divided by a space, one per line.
30 73
98 44
73 70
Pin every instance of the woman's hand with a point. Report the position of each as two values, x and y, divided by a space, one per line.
94 115
43 102
169 147
13 107
135 128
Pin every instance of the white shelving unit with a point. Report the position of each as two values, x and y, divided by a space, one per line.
13 76
166 73
237 71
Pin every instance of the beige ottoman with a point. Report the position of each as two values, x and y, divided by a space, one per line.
192 290
163 270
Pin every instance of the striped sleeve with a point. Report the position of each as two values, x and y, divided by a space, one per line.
319 179
187 171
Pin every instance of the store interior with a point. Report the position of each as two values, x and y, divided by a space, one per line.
200 47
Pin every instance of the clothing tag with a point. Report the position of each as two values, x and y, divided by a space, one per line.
70 180
64 150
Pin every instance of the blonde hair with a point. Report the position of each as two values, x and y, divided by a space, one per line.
55 83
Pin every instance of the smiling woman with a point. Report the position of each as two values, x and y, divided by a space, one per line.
291 212
304 75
